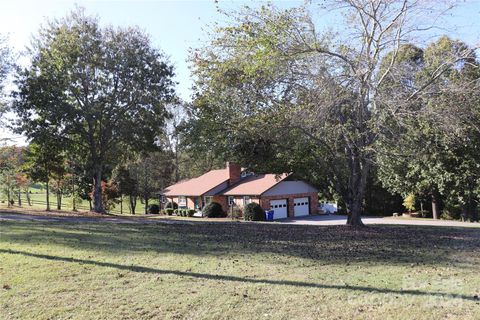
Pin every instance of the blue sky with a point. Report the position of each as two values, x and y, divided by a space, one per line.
175 26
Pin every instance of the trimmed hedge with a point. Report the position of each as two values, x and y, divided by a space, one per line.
253 212
190 212
214 210
169 211
154 209
172 205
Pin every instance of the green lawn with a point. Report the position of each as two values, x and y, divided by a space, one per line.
237 271
38 201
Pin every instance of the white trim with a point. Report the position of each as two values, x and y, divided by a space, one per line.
207 199
182 200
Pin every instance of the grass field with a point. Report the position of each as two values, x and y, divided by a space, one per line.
38 201
237 271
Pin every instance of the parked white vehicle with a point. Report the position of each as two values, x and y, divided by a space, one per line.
328 207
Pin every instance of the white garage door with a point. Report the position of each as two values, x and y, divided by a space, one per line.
279 207
300 207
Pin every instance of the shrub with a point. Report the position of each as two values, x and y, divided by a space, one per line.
425 214
214 210
190 212
169 211
253 212
175 211
172 205
154 209
235 213
452 211
409 202
183 212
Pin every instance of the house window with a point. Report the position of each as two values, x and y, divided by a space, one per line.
231 200
208 200
246 200
182 201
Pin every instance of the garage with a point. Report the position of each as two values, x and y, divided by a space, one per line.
301 207
280 208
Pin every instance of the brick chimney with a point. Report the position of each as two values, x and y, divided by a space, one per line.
234 172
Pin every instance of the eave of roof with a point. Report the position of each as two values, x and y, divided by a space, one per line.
254 185
198 186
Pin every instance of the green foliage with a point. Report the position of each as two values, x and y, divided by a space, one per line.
452 210
169 211
5 67
236 214
191 212
154 209
253 212
68 89
171 204
213 210
409 202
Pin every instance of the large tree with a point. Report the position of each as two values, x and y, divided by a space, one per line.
280 95
103 89
429 147
5 68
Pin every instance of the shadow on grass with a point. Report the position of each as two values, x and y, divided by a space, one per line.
207 276
327 244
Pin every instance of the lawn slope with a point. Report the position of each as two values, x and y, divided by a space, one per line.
236 271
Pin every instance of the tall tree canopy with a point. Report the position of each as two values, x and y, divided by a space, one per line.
279 95
103 90
430 148
5 67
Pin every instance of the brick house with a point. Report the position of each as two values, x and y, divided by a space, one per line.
232 186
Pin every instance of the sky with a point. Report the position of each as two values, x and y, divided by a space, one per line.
175 26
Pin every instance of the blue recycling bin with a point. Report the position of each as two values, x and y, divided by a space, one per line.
269 215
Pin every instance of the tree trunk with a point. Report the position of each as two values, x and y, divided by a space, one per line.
133 204
97 191
146 205
121 204
19 197
90 204
355 213
9 197
59 200
48 195
434 205
29 200
74 202
359 171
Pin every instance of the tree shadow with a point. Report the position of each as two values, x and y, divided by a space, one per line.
206 276
326 244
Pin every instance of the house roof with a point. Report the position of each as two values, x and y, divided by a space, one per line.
198 186
254 185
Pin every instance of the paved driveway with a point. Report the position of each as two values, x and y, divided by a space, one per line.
325 220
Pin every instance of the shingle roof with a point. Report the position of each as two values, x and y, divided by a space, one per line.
198 186
254 185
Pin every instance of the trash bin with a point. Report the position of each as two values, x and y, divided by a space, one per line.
270 215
